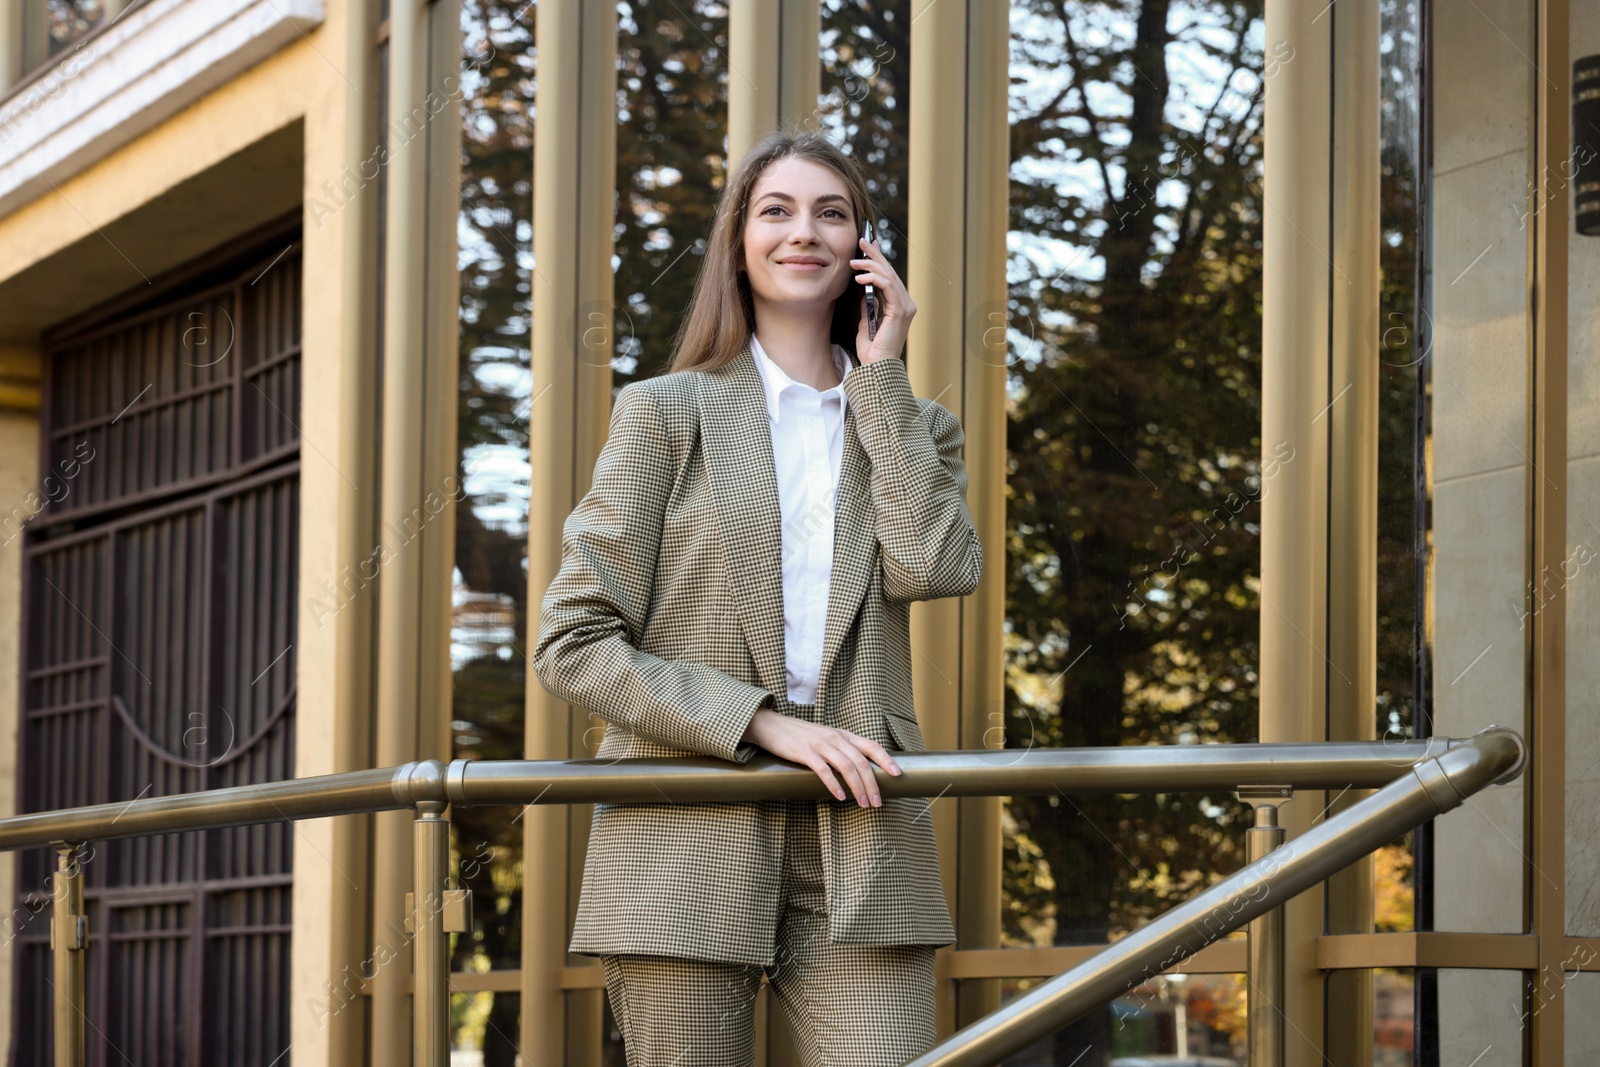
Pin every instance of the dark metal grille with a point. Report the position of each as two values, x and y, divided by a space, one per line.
159 653
179 398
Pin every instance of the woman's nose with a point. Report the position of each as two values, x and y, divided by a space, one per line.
803 231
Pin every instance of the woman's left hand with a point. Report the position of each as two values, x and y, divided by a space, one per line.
895 308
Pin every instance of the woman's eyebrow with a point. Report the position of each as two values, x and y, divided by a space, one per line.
825 198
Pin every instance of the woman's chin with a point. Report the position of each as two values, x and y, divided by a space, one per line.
800 297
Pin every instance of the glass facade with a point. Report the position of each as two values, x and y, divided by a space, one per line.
1131 468
1134 472
489 625
1132 571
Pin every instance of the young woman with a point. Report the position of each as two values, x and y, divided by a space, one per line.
739 578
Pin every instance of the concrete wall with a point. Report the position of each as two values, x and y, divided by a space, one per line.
1581 582
1483 109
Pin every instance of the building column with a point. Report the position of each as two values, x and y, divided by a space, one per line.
24 40
441 488
1319 524
1297 276
774 74
1320 331
574 184
332 892
418 471
20 498
11 31
1351 424
1546 726
956 276
343 1037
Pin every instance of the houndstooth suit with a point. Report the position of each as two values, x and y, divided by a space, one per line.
666 620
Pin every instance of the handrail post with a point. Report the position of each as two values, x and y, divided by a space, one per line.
430 997
68 944
1265 977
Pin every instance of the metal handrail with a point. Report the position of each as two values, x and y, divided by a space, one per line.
1419 780
475 783
1435 786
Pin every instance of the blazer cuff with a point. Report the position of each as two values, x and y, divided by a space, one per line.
745 705
877 374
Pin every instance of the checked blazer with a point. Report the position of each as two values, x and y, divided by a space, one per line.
666 620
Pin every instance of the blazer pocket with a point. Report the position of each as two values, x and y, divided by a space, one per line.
907 734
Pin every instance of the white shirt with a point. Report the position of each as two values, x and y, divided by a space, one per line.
807 451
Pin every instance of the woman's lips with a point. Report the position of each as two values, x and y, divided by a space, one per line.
801 266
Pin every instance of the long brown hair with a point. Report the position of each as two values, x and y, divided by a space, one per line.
722 315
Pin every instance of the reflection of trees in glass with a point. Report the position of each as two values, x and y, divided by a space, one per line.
489 629
1135 454
1402 351
672 143
69 20
866 79
1135 459
1402 650
672 124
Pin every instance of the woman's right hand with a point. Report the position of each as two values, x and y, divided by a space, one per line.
824 749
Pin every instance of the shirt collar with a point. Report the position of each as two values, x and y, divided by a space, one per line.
775 381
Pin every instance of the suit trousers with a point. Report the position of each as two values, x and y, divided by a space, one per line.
849 1005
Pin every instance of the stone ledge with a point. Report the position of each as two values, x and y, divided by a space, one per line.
129 77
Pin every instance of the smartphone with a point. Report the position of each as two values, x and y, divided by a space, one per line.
872 297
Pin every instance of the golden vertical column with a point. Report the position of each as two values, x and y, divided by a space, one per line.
441 487
24 39
418 458
399 606
1296 278
1352 426
11 48
774 74
358 226
956 274
1546 873
20 368
574 183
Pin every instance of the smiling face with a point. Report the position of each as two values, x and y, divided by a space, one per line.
800 234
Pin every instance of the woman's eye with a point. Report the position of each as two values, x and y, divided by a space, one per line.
774 207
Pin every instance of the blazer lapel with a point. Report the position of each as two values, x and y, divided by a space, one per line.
737 439
744 486
854 541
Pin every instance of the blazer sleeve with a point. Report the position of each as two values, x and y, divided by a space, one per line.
930 548
592 617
